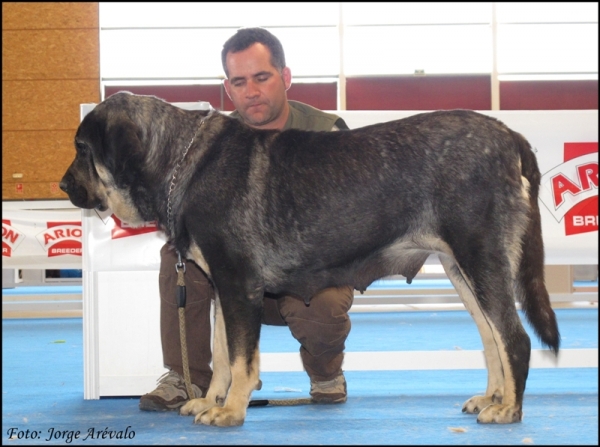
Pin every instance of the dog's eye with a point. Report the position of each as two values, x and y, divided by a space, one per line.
81 147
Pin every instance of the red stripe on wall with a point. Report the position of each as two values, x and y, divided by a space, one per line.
419 92
549 95
177 93
320 95
405 93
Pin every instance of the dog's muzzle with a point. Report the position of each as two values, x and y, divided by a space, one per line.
78 195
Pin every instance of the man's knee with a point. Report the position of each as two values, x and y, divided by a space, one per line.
324 325
329 306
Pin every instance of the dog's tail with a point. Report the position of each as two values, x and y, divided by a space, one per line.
534 297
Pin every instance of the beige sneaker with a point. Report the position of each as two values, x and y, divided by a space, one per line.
329 392
170 394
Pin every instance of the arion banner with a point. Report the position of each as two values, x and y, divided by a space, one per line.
42 239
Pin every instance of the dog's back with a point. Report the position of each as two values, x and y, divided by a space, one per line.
354 195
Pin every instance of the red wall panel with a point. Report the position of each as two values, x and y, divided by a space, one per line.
178 93
418 92
549 95
405 93
320 95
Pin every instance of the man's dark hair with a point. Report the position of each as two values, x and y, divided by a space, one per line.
245 37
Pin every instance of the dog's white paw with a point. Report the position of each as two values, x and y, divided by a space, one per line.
222 417
500 414
197 406
477 403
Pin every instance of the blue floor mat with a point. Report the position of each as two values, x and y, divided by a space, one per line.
42 386
443 330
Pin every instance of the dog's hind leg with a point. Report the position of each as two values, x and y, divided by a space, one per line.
495 385
487 291
221 378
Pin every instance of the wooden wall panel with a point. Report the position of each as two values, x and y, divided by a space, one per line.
50 65
32 191
39 54
45 104
49 15
54 148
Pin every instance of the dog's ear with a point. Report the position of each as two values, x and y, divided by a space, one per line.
123 150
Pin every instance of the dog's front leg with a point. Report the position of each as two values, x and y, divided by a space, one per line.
244 381
221 378
242 323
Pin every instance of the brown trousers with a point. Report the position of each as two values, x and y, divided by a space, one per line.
321 328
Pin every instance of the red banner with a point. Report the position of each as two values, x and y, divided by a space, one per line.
583 216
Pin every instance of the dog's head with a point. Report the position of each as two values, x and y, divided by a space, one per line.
110 156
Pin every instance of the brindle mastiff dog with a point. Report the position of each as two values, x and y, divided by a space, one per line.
295 212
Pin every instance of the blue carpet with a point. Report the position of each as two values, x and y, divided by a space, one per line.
382 284
42 390
443 330
43 290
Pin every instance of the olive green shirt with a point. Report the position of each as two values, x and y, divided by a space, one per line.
305 117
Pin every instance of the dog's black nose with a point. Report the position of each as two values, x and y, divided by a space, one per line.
64 186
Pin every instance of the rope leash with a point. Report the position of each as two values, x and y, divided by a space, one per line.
180 268
280 402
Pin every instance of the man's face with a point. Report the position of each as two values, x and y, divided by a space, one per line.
256 88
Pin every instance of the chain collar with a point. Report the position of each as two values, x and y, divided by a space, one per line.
172 185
